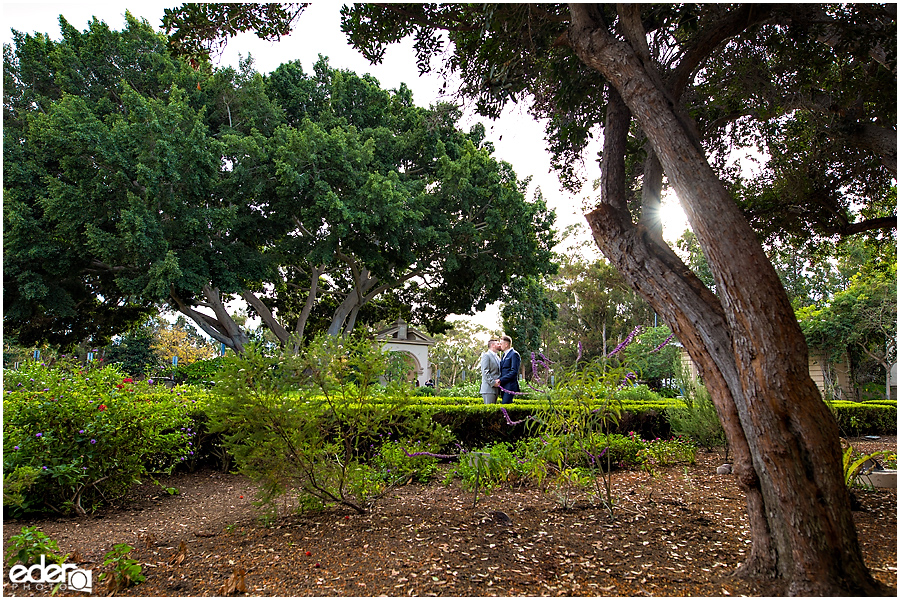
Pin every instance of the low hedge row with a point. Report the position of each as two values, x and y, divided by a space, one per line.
865 418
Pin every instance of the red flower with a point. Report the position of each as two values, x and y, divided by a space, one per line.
120 386
128 380
101 407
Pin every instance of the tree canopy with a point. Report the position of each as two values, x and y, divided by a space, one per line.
143 179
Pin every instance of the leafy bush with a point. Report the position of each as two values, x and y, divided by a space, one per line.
398 462
471 389
488 467
74 438
200 373
308 423
697 417
860 418
124 571
659 453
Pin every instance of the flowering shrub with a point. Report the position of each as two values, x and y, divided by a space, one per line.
83 436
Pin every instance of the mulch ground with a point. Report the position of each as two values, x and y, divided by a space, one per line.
681 532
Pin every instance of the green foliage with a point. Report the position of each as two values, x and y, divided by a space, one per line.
197 29
395 465
858 418
457 352
596 309
858 465
89 434
29 545
488 467
695 259
200 373
16 483
579 420
524 313
308 424
652 356
354 192
133 352
471 389
860 320
659 453
696 418
124 572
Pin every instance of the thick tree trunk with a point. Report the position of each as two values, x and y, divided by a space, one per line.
352 303
693 312
791 436
221 327
266 315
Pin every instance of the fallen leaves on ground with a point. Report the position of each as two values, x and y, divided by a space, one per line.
681 532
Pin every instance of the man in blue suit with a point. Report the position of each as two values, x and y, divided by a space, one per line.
510 361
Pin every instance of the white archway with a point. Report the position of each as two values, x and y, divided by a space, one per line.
402 338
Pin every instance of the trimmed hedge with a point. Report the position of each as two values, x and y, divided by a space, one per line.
860 418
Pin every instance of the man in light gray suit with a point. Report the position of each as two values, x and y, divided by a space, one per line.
490 372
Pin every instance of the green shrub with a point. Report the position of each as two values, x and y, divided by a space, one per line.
88 433
398 462
864 418
200 373
124 571
660 453
697 417
309 423
488 467
463 390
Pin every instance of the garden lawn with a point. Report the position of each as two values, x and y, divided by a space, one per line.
680 533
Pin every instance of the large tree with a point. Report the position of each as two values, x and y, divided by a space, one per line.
380 195
670 84
143 179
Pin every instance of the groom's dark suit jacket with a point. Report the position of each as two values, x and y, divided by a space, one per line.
509 371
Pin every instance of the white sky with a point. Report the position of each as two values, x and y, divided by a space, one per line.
517 137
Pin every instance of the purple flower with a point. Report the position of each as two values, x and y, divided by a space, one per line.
39 435
663 345
15 447
44 468
627 341
81 431
93 441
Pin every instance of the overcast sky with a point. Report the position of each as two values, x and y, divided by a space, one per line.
517 138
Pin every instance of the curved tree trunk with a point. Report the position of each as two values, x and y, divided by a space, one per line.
790 435
221 327
692 311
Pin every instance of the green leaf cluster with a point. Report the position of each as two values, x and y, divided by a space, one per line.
141 179
75 439
307 423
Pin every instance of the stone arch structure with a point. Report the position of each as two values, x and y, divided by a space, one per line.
400 337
